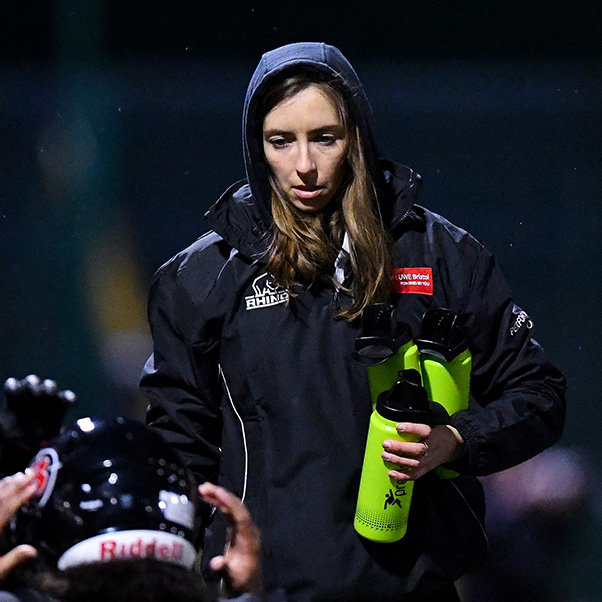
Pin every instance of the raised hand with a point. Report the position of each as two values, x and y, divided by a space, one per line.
15 490
240 565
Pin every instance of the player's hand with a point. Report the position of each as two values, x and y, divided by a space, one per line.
33 410
15 490
240 565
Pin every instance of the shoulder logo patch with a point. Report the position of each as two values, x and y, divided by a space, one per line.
522 318
265 293
413 280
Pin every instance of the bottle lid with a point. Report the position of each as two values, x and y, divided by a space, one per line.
406 401
381 336
441 334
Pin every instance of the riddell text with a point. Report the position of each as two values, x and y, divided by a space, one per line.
140 549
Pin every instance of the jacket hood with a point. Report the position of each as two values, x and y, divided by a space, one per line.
273 66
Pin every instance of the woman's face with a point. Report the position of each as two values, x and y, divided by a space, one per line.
305 144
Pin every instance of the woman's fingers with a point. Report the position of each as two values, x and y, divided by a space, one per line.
430 447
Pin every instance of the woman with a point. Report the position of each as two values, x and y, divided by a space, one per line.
252 376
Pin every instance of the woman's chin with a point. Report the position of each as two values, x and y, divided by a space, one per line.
312 205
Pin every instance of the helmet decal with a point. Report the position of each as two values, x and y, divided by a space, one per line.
45 466
177 508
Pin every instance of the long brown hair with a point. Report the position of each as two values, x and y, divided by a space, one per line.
305 245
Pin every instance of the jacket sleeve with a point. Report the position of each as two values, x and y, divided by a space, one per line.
519 394
180 378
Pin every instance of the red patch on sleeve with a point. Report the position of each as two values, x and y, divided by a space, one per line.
413 280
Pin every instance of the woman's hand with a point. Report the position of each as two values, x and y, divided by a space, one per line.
240 564
15 490
432 447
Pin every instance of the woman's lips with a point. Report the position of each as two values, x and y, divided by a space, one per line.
307 193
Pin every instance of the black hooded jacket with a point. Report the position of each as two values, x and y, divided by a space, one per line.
260 393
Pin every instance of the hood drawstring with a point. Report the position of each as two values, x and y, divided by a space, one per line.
343 262
342 270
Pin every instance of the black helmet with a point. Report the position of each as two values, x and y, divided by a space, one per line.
110 489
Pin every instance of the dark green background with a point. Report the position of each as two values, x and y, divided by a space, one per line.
496 104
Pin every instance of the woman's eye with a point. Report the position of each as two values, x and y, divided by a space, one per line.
278 142
326 139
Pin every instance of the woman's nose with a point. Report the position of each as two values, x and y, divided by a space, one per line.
305 162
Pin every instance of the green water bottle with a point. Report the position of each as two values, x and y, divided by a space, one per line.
383 503
385 347
445 363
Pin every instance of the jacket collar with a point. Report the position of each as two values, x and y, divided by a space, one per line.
236 218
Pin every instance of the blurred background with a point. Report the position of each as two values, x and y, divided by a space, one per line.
120 125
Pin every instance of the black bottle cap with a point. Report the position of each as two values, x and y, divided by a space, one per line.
381 336
406 401
441 334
